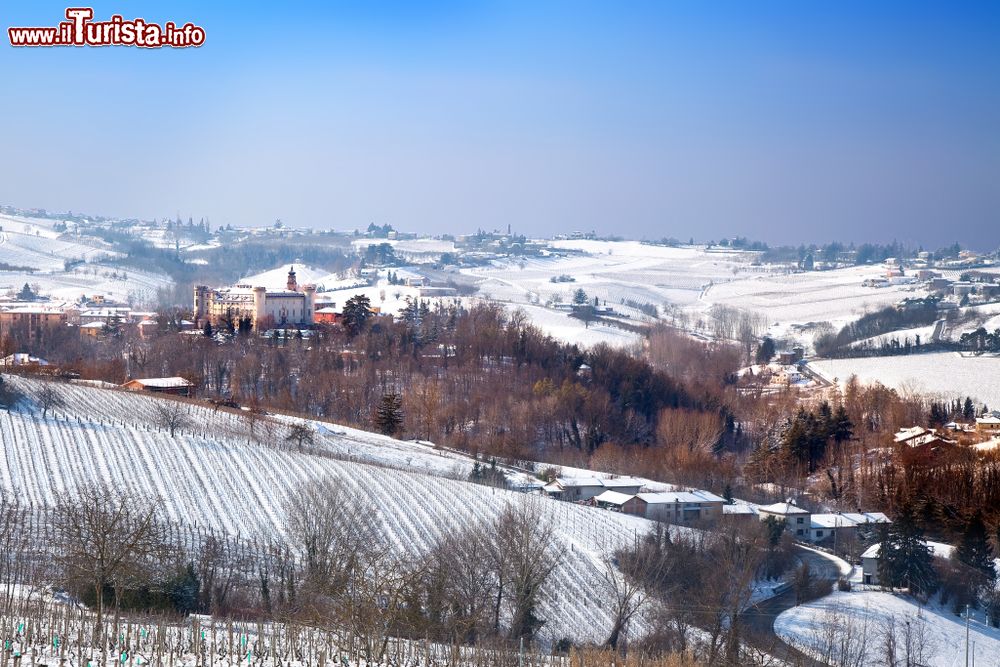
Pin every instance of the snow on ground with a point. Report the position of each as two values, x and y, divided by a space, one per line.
902 335
836 297
561 326
277 279
213 474
118 284
946 374
691 278
857 614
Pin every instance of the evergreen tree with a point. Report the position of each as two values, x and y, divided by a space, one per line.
357 312
968 410
207 329
579 297
905 560
974 549
765 351
389 414
842 429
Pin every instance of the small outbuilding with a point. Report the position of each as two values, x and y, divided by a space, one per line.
177 386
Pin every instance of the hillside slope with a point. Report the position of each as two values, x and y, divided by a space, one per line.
218 476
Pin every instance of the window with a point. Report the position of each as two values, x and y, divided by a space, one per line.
800 520
799 531
819 533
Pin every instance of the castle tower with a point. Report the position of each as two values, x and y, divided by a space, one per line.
309 311
259 305
293 285
200 303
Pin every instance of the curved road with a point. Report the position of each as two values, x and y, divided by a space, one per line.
758 621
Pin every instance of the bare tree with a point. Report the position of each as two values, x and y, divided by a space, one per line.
526 536
335 531
170 415
48 398
627 598
105 537
301 434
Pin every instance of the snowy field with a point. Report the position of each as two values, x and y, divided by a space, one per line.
217 476
836 297
946 374
35 244
689 280
857 622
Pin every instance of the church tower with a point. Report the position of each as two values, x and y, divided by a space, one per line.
293 286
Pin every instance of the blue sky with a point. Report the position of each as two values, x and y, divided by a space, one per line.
785 121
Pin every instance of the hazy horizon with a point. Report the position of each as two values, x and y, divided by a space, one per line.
779 122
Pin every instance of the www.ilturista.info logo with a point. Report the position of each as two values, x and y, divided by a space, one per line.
80 30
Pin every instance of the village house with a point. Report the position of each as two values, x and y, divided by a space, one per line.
575 489
842 526
676 506
988 425
796 519
177 386
920 438
22 359
93 329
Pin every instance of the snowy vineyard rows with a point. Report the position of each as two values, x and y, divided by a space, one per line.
235 487
39 633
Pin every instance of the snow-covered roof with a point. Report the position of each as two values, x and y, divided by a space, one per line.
847 519
991 420
93 325
161 383
673 497
621 482
783 509
613 498
566 482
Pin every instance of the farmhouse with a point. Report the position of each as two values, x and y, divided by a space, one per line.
988 425
575 489
676 506
172 385
842 525
293 306
797 520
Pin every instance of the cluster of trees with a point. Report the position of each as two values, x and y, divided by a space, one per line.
981 340
478 379
805 441
942 412
965 580
689 580
891 318
481 582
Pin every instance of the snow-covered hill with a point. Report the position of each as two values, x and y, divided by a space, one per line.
214 473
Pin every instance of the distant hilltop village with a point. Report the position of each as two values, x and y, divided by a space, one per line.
262 308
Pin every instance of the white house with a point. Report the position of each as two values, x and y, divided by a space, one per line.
797 520
576 489
841 525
